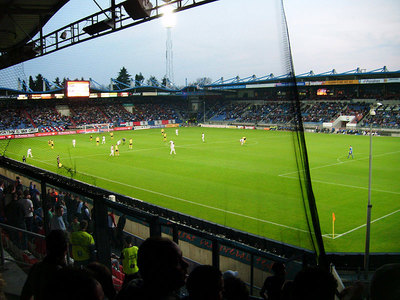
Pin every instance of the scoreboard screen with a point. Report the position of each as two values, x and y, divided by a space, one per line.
77 89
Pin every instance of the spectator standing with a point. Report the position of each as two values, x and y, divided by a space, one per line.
79 208
35 196
129 261
57 221
112 227
82 245
273 284
314 283
205 282
385 283
2 202
75 224
41 273
104 276
28 209
73 283
15 214
163 271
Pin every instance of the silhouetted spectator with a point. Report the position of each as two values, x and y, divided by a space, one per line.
162 268
272 286
385 283
42 272
235 289
73 283
120 231
314 283
2 202
112 228
104 276
205 282
15 214
353 292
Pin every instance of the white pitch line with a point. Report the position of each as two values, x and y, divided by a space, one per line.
361 226
338 163
346 185
191 202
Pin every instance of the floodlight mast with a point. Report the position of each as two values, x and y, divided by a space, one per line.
372 113
169 22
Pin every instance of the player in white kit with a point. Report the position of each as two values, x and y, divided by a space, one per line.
172 147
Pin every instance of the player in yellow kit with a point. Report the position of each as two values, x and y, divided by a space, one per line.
130 143
116 150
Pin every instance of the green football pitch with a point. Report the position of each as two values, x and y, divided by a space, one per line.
252 187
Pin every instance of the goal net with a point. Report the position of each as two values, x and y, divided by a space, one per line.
96 128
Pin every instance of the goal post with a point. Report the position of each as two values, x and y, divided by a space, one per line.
96 128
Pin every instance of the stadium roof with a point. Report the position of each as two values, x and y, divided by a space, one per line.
20 21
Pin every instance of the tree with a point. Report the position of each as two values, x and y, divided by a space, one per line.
152 81
31 83
124 76
139 78
57 82
39 83
202 81
164 81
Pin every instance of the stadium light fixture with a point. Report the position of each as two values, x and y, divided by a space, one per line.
168 18
372 113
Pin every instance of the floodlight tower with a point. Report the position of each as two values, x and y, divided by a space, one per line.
372 113
169 22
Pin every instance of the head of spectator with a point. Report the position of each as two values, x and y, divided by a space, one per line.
57 244
73 283
229 274
235 289
205 282
353 292
104 276
161 265
59 211
279 269
83 225
314 283
385 283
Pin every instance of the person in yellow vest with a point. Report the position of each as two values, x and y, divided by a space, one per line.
82 245
112 135
130 143
129 261
52 144
162 131
165 137
97 140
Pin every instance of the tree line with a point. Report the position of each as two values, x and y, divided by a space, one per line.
123 80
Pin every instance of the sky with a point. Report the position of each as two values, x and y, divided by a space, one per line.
230 38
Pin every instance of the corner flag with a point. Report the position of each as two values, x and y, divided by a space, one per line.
333 224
